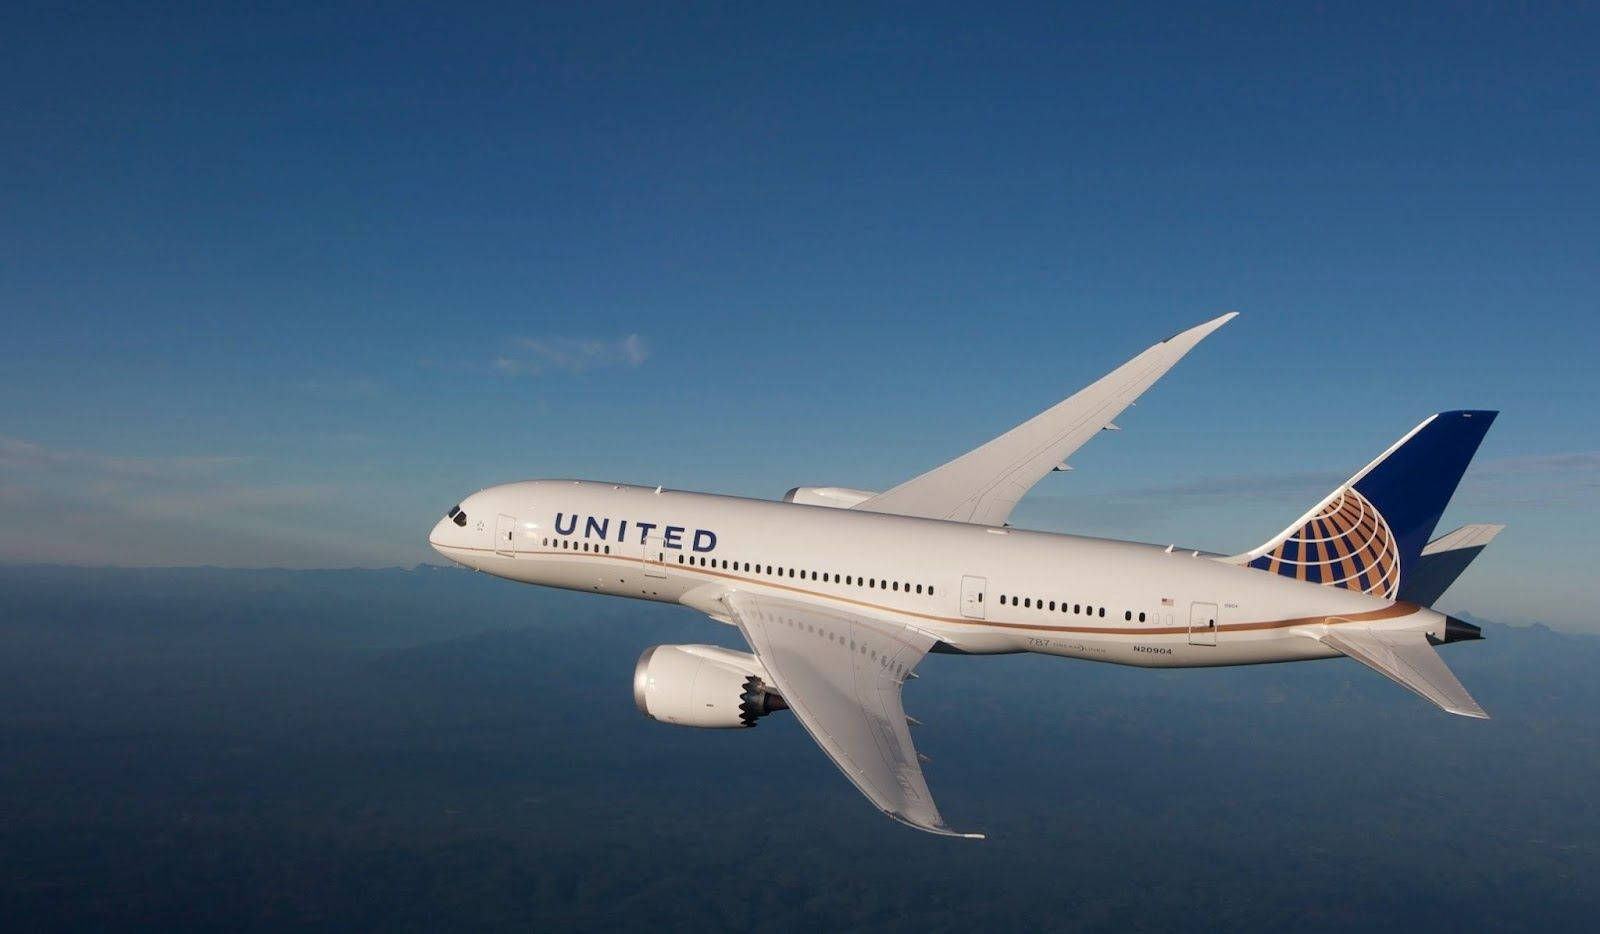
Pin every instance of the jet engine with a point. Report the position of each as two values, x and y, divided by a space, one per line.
704 686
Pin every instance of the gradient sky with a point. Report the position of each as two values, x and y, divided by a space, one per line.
280 286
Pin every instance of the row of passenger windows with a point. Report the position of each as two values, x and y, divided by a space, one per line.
826 577
849 580
574 545
1077 609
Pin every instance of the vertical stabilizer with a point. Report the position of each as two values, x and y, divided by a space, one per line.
1369 533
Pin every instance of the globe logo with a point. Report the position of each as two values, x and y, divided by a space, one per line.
1346 544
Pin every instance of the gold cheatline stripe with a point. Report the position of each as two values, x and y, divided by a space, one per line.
1396 609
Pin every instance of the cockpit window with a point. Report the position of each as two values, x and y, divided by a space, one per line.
461 519
456 515
453 510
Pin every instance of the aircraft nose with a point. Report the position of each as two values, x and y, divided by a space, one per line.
452 533
440 535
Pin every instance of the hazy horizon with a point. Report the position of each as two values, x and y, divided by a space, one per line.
223 749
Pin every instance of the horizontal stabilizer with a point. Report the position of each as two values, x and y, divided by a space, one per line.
1442 561
1407 659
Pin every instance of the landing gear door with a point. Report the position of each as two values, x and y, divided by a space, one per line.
654 557
972 589
1203 624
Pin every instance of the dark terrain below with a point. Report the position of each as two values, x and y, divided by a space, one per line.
431 749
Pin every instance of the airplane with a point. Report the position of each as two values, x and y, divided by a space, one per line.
840 593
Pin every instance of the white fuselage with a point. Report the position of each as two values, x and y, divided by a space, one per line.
977 589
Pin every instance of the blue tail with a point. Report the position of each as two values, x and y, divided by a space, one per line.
1369 532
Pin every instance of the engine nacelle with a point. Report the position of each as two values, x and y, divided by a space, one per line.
838 497
702 685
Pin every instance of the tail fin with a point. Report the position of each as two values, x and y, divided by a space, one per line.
1369 533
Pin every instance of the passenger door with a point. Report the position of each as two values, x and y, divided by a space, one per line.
972 589
505 531
1203 624
654 557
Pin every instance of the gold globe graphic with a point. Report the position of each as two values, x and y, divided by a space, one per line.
1346 544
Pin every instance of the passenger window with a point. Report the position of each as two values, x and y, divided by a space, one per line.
1141 617
1102 612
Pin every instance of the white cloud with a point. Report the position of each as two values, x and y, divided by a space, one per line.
18 456
1569 478
136 508
575 356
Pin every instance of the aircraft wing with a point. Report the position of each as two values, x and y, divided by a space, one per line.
841 675
1407 659
982 485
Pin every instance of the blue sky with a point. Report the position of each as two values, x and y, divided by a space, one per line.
281 285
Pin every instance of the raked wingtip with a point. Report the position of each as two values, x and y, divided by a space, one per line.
1202 330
